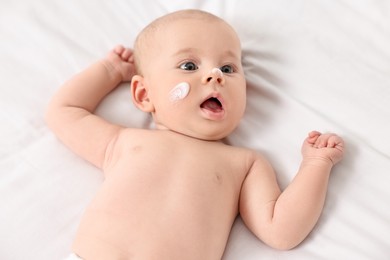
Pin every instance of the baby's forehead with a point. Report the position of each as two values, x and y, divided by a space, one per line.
185 14
155 32
163 23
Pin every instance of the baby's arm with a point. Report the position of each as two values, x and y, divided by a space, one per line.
70 112
283 220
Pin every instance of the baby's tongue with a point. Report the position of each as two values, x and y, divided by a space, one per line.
212 104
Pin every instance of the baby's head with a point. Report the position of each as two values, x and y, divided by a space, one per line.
189 74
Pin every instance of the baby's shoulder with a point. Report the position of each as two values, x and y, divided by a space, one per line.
242 150
128 137
247 155
139 135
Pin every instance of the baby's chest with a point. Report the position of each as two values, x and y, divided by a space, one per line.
187 182
205 166
170 166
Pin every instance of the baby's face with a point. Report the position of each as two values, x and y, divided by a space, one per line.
195 79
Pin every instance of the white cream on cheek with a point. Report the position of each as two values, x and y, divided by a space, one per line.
180 91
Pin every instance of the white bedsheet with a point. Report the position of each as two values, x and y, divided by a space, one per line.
317 64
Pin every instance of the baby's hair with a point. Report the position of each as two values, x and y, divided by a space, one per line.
145 37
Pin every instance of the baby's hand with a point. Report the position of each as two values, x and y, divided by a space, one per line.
120 61
323 146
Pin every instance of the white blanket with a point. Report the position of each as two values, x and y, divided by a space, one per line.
318 64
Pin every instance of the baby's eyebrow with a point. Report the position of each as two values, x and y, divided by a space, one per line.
185 51
228 53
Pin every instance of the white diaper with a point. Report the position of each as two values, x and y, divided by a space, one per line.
73 257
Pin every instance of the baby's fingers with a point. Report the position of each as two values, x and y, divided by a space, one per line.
331 143
313 137
336 142
322 141
119 49
125 54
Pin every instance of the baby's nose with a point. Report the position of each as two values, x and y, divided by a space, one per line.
214 75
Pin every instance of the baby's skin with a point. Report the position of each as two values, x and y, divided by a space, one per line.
170 195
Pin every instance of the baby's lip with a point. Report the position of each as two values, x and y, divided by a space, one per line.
215 100
213 106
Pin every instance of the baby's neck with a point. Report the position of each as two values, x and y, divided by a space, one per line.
164 128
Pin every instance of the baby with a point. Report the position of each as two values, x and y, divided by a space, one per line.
174 192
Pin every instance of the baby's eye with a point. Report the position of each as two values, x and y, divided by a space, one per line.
189 65
227 69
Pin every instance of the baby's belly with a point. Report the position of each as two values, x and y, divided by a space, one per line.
159 216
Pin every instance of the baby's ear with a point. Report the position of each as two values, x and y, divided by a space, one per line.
139 93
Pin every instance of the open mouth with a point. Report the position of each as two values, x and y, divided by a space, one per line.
212 104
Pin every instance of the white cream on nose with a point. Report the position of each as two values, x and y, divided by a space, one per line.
217 72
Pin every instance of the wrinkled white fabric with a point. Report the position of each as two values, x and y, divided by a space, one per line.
316 64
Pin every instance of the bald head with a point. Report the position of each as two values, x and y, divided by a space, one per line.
148 38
